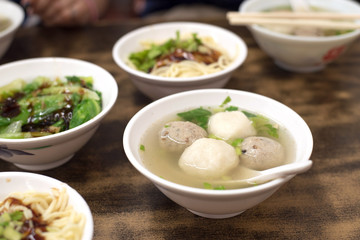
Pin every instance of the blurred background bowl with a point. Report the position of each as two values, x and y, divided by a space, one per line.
156 87
216 203
302 53
41 153
13 12
21 182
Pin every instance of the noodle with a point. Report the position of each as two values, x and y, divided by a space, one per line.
53 210
188 67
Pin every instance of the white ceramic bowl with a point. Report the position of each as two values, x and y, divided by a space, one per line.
48 152
21 182
156 87
216 203
15 13
300 53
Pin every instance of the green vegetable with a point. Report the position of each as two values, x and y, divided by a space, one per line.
23 116
214 137
211 187
36 84
44 107
18 135
5 218
13 127
237 145
198 116
231 108
146 59
81 81
263 125
86 93
248 114
84 111
10 89
142 147
226 101
17 215
9 223
11 234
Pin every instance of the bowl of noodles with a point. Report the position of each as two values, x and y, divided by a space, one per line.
11 17
303 49
167 58
34 206
202 151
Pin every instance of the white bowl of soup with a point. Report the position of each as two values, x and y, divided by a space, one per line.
50 108
11 18
193 150
167 58
302 49
37 199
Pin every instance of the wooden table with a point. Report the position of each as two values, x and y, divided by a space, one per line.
323 203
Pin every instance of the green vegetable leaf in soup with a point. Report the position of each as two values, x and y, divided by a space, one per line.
198 116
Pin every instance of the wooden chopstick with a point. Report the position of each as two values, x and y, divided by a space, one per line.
298 15
311 19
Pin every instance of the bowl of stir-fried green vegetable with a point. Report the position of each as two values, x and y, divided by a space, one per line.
50 108
11 17
167 58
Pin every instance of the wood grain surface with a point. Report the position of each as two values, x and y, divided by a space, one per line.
323 203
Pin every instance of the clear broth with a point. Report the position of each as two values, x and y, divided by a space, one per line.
165 164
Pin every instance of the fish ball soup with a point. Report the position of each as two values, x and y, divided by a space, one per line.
181 148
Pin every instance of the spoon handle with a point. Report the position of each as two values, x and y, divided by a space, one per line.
281 171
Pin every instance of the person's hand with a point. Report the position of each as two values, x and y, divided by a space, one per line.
64 12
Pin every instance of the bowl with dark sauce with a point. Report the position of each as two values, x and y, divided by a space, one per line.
28 202
167 58
50 108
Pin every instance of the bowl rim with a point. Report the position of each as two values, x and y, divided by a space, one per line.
59 60
89 225
14 24
208 192
239 59
318 39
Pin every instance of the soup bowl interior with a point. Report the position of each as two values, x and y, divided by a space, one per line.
215 203
13 12
302 53
48 152
22 182
156 87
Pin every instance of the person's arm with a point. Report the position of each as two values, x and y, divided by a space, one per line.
67 12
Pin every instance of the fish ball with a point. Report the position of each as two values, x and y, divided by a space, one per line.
177 135
208 158
230 125
260 153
